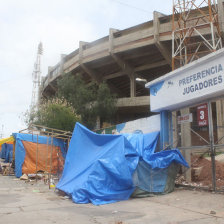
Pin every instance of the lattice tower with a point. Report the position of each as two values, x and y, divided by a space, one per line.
195 30
36 76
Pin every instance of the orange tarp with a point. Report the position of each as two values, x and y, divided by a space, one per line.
42 154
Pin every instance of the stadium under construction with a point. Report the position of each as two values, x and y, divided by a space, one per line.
128 59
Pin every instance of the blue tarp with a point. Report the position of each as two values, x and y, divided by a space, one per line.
6 152
20 151
99 168
3 153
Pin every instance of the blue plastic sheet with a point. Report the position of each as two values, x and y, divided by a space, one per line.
99 168
164 158
20 151
3 152
6 152
148 179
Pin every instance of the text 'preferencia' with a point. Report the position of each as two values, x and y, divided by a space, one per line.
209 82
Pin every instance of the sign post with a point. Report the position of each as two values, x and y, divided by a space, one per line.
212 148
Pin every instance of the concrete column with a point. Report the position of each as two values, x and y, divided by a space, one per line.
221 16
156 25
81 45
62 63
132 86
186 142
98 122
160 46
220 120
164 129
175 129
111 39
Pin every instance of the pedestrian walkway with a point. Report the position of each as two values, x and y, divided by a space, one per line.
25 203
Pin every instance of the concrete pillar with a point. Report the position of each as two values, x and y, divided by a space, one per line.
156 25
160 46
62 63
186 142
174 129
221 16
220 120
132 86
81 45
111 39
97 122
164 129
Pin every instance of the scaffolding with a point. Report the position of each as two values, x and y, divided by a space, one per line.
189 40
49 151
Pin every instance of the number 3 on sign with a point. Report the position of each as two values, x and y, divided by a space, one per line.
202 115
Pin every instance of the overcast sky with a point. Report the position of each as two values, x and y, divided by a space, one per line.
60 25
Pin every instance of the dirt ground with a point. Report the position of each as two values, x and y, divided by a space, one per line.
25 203
205 176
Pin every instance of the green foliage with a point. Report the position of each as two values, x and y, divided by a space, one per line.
105 102
88 101
54 114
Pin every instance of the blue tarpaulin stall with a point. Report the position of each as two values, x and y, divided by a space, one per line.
26 149
99 168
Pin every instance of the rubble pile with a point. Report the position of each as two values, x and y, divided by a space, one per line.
202 171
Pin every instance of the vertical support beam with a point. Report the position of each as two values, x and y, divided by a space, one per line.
132 85
90 72
186 142
164 129
98 122
174 129
81 45
156 25
62 63
221 16
212 148
111 39
220 120
160 46
126 68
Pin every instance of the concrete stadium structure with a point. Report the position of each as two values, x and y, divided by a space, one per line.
142 52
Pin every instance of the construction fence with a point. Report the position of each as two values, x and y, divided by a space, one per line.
202 144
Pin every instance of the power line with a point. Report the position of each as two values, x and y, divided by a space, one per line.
132 6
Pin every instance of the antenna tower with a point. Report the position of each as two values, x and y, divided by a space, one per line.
190 24
36 77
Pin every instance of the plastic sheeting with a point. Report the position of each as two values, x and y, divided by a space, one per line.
99 168
49 158
7 140
163 159
22 152
7 152
6 148
150 181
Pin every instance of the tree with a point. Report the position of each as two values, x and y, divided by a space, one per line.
53 114
105 102
88 101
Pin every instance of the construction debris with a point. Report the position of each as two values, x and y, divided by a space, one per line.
24 177
201 171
